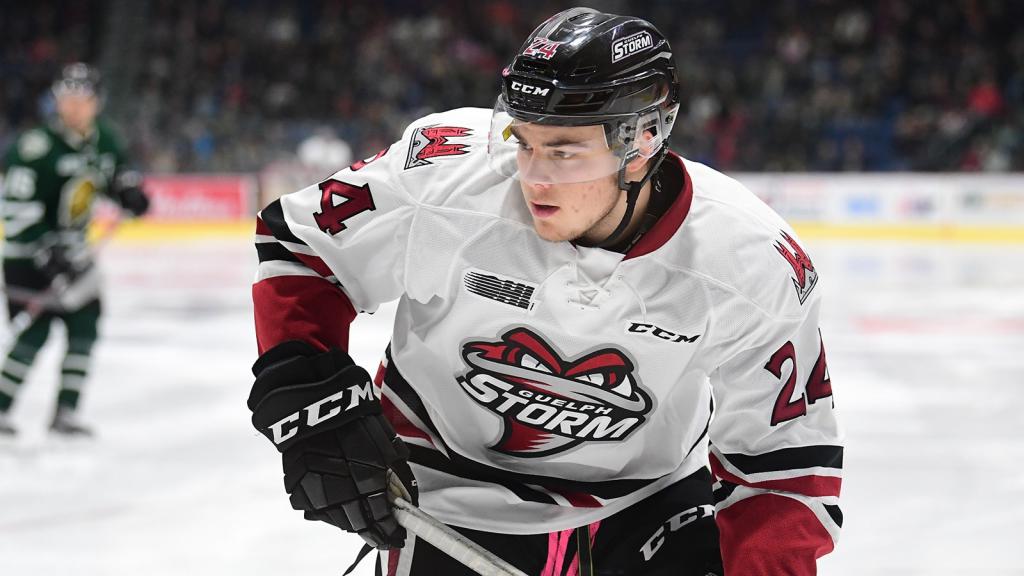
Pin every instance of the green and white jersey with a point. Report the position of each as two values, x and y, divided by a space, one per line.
51 180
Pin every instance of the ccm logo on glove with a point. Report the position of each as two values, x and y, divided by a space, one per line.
320 411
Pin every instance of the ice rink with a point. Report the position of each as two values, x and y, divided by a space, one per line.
924 345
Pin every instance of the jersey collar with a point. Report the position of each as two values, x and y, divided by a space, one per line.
72 138
672 219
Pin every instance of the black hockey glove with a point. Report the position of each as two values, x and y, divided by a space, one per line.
127 191
337 448
53 261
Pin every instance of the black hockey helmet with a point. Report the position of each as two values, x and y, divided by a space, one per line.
587 68
594 64
78 78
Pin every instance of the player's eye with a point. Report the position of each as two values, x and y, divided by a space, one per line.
524 146
562 155
532 363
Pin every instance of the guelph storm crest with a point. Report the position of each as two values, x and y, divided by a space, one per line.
549 403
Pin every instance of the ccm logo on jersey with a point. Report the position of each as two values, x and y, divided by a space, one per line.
630 45
645 328
548 403
320 411
654 543
804 276
527 89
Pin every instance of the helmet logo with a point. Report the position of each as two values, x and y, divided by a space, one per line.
624 47
527 89
542 48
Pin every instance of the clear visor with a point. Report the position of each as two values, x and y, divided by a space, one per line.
551 149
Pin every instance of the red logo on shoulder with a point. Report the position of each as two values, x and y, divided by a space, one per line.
432 142
805 278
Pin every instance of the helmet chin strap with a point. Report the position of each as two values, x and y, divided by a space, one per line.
632 194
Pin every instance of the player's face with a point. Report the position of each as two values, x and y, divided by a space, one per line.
557 167
78 111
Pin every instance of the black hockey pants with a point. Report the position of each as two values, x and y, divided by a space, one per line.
672 532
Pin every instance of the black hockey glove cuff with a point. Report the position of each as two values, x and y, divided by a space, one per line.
303 395
319 410
54 261
127 191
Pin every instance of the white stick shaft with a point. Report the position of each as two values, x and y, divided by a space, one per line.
451 542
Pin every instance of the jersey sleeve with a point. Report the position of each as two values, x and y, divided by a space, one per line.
776 450
24 210
329 251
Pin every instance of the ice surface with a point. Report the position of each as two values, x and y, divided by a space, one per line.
924 345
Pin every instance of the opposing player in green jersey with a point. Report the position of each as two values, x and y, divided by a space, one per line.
53 173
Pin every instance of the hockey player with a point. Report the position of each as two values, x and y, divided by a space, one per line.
575 302
52 176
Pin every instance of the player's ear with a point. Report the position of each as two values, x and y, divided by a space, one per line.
637 167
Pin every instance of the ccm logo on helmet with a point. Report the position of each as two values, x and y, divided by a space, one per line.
320 411
527 89
630 45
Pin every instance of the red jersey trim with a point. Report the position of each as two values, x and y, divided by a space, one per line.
816 486
577 499
303 308
261 227
769 534
402 425
671 220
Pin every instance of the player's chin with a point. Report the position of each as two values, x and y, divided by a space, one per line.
552 232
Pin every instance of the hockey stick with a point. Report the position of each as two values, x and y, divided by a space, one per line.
36 304
450 542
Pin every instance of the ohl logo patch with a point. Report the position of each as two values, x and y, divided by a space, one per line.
804 276
432 142
548 403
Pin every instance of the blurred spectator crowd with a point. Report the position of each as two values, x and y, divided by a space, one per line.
791 85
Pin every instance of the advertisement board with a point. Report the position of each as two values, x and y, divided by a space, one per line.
899 199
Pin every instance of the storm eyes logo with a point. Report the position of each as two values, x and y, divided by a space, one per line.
550 404
804 275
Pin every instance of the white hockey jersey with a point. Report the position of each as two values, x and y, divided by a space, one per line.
542 386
